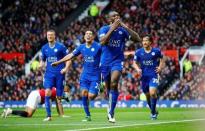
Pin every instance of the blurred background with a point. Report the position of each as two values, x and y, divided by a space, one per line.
177 27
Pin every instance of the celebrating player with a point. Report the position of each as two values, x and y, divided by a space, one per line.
54 76
148 63
35 97
90 76
112 38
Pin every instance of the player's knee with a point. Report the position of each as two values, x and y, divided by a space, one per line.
92 96
48 92
153 94
29 114
84 93
58 99
114 84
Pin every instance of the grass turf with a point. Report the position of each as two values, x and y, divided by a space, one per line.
170 119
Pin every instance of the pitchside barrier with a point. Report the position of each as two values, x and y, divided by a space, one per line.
120 104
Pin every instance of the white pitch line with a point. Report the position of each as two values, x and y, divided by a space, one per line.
142 124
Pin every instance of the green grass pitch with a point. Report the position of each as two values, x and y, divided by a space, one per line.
135 119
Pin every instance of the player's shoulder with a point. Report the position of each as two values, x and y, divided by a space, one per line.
97 44
155 49
139 50
59 44
45 46
105 27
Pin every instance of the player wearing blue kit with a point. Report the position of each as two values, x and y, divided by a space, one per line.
112 38
148 63
54 76
90 76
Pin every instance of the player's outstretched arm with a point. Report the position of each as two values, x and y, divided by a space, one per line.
66 58
134 35
67 66
104 39
41 65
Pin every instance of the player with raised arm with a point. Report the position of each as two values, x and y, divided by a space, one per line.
90 76
112 38
54 76
148 62
35 98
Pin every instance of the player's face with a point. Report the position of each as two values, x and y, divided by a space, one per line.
146 42
51 36
88 36
113 16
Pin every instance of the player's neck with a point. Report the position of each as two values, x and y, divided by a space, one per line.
148 49
51 44
88 45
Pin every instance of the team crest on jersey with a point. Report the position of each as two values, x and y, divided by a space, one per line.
120 32
55 50
92 49
153 53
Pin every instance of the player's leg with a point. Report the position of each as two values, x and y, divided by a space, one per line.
148 99
153 94
59 93
31 105
105 78
9 111
113 95
145 89
84 85
48 83
33 100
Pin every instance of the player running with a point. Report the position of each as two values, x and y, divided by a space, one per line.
54 76
148 62
113 38
35 98
90 76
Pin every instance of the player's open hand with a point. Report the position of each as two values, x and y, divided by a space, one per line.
139 72
54 64
115 24
158 69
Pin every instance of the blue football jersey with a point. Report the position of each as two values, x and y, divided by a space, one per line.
114 50
53 54
148 61
91 57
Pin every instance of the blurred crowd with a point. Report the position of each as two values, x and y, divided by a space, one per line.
173 25
192 86
24 23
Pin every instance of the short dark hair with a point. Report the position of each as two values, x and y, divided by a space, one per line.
51 30
149 36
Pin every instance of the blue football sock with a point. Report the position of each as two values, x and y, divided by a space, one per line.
86 105
48 105
149 104
153 105
108 93
113 100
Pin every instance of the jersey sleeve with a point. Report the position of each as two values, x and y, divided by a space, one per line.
126 34
65 50
102 32
77 51
160 55
136 57
42 55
